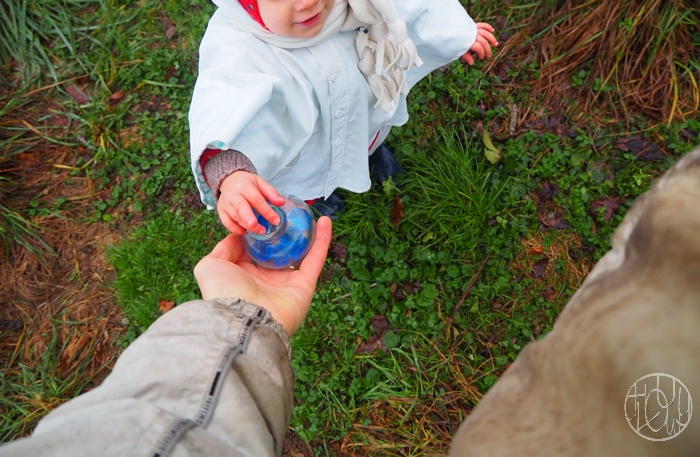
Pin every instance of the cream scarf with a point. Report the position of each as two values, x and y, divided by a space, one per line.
386 52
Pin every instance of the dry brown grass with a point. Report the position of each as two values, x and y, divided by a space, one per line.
61 290
641 48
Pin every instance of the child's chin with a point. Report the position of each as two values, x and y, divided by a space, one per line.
306 34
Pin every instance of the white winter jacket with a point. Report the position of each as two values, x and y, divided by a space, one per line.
305 117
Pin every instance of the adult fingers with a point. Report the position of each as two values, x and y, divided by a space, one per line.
229 249
316 258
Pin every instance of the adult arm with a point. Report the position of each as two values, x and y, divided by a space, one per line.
637 313
211 377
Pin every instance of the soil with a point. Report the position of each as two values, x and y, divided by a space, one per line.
61 288
56 295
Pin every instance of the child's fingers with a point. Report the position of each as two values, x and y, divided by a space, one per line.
485 47
243 215
469 58
269 192
231 224
490 37
478 48
257 201
237 210
484 26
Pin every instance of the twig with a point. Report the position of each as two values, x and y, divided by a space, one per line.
343 297
58 83
469 287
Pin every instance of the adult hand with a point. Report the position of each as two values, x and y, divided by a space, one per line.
482 46
240 192
229 272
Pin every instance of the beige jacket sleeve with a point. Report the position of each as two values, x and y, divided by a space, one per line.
209 378
637 314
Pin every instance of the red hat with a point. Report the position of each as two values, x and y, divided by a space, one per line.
252 7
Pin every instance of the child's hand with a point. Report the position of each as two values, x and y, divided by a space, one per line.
240 192
482 46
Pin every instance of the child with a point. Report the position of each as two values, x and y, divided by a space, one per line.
293 95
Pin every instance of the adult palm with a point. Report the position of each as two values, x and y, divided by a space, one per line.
229 272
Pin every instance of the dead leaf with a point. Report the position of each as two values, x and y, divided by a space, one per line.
59 120
397 292
549 294
169 26
380 323
554 220
170 73
78 93
170 31
27 159
371 345
609 203
166 305
501 22
397 211
115 97
562 224
413 287
493 154
339 251
74 346
548 191
640 148
554 122
502 70
540 267
8 325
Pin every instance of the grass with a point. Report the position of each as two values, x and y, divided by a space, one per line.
433 285
622 57
72 150
14 226
29 391
158 263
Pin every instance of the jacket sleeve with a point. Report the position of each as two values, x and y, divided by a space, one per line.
207 378
249 97
442 31
636 316
218 165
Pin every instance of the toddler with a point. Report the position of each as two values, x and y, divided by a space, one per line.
294 95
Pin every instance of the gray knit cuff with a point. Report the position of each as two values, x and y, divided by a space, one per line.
222 165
